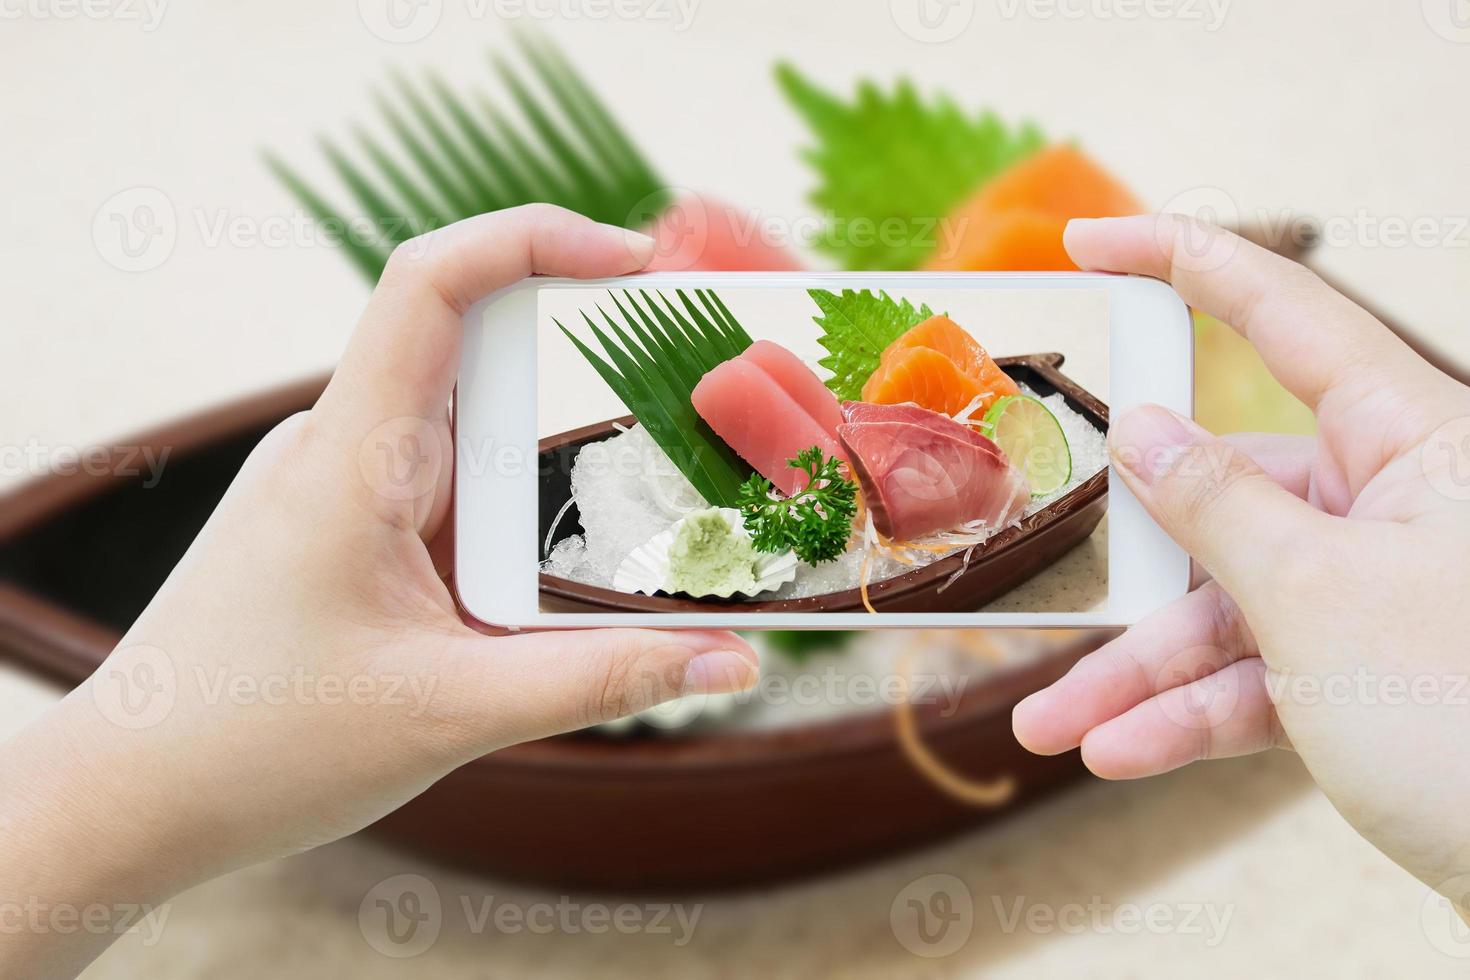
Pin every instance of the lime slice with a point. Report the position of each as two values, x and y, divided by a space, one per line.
1032 439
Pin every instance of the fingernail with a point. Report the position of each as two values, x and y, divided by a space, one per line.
1147 440
719 672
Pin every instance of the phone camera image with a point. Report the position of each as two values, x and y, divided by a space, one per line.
740 449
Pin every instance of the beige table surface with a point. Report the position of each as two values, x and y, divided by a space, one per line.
1352 111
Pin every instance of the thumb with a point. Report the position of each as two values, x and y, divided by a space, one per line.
1212 499
517 688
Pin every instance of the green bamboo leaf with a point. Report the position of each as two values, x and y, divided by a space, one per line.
692 330
460 157
417 214
654 376
673 353
448 189
710 330
648 183
551 184
380 211
482 194
709 347
661 408
577 105
590 185
496 163
368 257
737 332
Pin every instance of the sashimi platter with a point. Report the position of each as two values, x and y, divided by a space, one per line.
796 449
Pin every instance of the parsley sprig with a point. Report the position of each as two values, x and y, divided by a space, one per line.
816 523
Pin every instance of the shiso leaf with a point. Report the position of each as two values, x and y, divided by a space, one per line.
856 328
458 156
653 366
891 166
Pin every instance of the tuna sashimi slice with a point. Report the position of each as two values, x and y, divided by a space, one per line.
762 422
917 480
799 382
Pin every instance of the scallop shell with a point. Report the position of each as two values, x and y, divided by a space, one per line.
646 570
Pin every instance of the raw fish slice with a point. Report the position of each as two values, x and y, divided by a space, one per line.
760 421
923 376
798 381
935 387
917 481
959 345
911 413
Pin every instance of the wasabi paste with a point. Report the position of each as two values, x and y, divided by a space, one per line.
709 558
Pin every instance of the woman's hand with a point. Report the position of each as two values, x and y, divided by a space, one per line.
304 670
1337 615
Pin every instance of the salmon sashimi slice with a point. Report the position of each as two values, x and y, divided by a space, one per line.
943 336
798 381
925 377
950 339
921 477
760 420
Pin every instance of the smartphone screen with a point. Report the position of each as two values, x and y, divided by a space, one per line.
738 449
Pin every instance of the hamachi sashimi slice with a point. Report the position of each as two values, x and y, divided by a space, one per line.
762 422
921 477
911 413
788 371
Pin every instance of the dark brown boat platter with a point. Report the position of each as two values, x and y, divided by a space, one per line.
994 568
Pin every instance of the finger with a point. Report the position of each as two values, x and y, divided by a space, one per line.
1188 639
1310 337
1226 714
1214 501
1285 459
534 685
404 355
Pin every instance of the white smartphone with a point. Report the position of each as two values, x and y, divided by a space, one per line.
789 450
